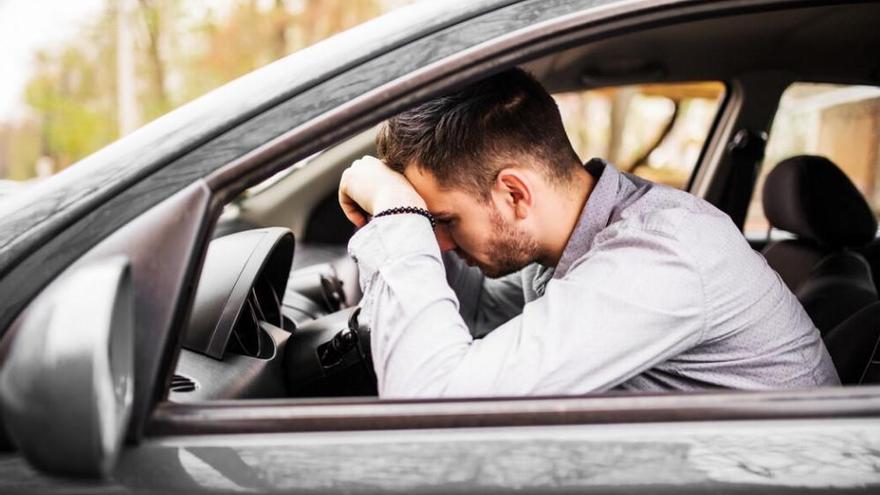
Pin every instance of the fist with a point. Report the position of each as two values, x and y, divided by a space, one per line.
370 186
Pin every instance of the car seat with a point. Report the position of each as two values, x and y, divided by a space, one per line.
810 197
854 346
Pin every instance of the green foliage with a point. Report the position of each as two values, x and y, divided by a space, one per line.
23 150
75 115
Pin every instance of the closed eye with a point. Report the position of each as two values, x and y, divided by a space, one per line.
447 221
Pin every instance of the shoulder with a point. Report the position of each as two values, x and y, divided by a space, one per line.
658 224
643 259
660 211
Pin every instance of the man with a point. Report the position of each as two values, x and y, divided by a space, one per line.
601 280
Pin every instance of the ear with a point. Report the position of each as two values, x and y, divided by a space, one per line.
514 189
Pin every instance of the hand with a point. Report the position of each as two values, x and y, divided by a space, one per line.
369 186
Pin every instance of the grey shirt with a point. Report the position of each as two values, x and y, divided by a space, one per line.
655 290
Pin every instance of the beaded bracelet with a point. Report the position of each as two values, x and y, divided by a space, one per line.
408 209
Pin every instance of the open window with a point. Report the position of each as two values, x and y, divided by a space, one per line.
658 130
312 345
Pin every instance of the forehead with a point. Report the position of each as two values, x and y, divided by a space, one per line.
439 198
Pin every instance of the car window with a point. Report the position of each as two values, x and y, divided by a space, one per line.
656 131
840 122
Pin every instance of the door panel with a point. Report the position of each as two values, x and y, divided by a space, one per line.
679 458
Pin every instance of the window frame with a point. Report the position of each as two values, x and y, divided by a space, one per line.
352 414
339 415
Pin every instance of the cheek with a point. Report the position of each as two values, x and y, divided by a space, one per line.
472 240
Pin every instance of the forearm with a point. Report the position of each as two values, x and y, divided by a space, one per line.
418 336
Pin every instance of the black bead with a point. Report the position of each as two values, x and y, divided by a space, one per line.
408 209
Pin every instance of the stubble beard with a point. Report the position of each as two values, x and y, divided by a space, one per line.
511 248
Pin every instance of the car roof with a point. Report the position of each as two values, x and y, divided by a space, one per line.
830 43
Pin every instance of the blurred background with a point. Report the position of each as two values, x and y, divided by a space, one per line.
77 75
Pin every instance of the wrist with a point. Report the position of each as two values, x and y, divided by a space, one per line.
415 210
389 202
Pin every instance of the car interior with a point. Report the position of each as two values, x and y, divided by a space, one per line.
275 313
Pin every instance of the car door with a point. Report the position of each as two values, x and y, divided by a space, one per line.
162 219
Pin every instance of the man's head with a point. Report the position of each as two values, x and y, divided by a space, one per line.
484 158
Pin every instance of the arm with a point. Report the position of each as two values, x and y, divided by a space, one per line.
484 303
369 186
602 324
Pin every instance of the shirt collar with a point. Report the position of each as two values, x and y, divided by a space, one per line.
595 216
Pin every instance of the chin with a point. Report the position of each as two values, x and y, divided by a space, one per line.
498 272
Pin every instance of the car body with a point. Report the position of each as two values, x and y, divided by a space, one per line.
154 199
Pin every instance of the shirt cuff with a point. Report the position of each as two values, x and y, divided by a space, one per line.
390 238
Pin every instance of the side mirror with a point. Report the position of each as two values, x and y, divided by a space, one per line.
67 384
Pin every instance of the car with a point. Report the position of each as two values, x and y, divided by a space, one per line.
178 312
8 188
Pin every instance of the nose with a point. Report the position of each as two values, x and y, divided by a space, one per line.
444 239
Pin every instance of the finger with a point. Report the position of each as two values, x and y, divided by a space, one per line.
350 208
354 213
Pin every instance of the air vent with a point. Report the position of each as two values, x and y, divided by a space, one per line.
180 383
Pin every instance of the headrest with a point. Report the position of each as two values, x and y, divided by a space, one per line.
811 197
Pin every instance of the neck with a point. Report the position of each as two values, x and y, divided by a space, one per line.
564 214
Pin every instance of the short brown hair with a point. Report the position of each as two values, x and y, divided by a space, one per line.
463 138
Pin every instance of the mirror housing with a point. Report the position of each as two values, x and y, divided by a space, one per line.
67 384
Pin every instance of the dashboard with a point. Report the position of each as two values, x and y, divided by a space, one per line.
260 329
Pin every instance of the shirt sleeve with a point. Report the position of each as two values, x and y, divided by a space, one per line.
629 304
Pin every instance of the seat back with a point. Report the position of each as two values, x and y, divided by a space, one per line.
839 286
854 346
812 198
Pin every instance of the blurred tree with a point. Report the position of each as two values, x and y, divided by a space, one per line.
180 53
24 150
71 95
320 18
19 149
154 13
255 33
245 39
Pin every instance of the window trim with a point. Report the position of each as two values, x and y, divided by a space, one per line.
352 414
